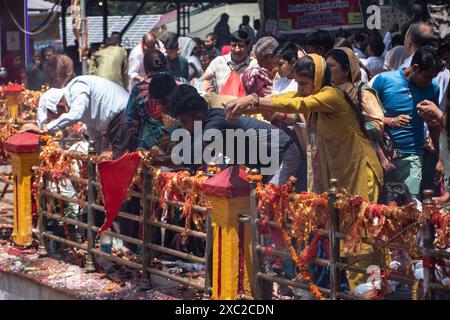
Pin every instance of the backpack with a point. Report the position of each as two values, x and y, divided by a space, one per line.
382 144
233 86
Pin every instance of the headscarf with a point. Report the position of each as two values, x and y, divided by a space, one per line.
355 73
186 46
15 74
256 80
314 161
319 73
48 101
394 58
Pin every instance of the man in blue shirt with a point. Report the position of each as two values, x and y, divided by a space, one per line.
400 91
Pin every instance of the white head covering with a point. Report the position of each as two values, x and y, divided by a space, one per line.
186 46
48 101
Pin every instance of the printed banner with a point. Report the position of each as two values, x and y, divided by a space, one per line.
316 14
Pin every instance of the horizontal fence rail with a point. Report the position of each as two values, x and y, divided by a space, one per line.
88 196
147 219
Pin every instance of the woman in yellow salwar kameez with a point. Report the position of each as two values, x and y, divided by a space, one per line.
343 150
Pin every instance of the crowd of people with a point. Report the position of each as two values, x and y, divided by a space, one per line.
366 110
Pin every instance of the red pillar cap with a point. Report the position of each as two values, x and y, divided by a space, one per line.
231 182
13 88
25 142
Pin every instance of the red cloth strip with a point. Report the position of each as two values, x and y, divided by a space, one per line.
428 262
115 178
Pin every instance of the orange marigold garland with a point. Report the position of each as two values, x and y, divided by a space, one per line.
182 187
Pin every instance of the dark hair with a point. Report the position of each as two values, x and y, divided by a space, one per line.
320 38
210 53
197 41
377 47
342 43
93 47
211 35
341 58
395 191
305 67
444 46
288 51
154 62
240 36
112 41
343 33
49 48
427 58
420 35
397 40
171 43
224 17
117 36
360 37
161 85
185 99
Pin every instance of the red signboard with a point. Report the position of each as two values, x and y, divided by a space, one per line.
316 14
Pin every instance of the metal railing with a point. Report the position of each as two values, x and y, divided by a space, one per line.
147 218
263 282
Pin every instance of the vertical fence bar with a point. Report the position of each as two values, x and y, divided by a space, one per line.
209 247
428 239
42 250
90 267
146 282
259 284
208 257
335 281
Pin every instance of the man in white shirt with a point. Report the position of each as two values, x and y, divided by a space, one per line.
95 101
136 70
237 60
375 62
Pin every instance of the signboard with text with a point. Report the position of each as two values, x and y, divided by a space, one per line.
295 15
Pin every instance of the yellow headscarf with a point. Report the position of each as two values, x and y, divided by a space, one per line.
351 87
319 74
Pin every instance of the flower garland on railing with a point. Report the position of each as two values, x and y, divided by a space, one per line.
379 222
57 165
5 132
29 101
183 187
308 213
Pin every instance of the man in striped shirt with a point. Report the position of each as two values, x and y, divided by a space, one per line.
237 60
